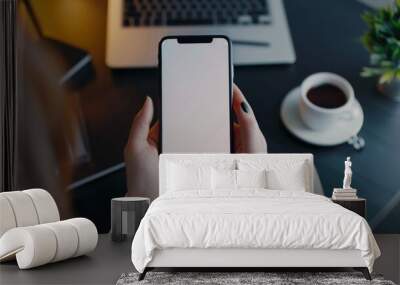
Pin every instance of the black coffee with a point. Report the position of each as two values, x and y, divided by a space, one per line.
327 96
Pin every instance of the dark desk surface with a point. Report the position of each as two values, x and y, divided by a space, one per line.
102 266
326 38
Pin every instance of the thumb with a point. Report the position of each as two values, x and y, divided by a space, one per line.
141 123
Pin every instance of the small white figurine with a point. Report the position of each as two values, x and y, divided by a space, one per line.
348 173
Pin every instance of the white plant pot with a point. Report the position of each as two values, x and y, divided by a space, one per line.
391 89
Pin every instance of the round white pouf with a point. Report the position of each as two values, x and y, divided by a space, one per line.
87 234
7 218
33 246
67 239
23 208
45 205
40 244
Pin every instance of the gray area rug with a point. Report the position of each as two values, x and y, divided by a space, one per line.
232 278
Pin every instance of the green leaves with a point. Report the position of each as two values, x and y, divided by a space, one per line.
382 40
387 76
371 71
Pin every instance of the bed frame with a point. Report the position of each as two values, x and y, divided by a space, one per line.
244 259
249 259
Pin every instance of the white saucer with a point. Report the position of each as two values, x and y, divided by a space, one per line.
337 134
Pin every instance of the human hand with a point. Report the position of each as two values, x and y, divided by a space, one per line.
141 154
248 137
141 150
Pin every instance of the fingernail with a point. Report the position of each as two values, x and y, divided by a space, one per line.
245 107
146 100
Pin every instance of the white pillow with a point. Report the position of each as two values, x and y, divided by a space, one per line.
236 179
289 179
251 178
223 179
185 177
281 175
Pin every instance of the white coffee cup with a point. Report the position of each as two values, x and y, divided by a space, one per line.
319 118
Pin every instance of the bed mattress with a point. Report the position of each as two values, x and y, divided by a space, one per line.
251 219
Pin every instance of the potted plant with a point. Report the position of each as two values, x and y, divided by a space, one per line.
382 40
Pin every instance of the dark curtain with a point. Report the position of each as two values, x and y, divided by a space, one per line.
8 91
35 114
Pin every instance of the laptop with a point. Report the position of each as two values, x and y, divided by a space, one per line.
258 29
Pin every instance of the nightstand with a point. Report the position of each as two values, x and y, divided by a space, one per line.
126 214
358 206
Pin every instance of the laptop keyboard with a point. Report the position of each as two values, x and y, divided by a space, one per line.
195 12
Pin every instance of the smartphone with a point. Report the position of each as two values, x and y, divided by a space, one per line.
196 94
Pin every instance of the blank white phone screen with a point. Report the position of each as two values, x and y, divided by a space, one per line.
195 97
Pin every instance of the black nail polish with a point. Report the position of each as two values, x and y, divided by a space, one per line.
245 107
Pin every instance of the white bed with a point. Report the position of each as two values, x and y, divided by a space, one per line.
194 223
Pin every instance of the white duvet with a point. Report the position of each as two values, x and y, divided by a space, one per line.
250 219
